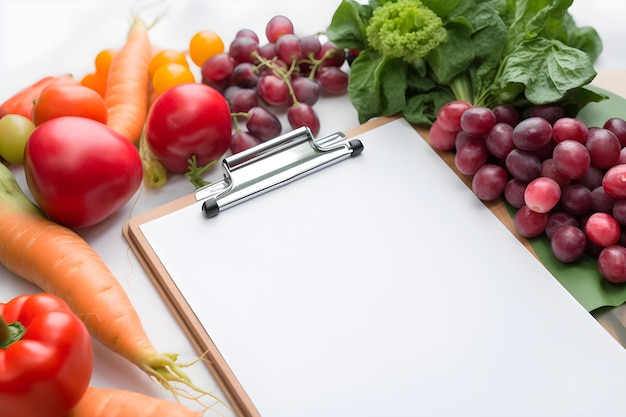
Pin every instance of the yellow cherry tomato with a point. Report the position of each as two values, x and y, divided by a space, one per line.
166 56
169 75
204 45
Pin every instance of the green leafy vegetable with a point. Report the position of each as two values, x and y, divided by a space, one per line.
415 55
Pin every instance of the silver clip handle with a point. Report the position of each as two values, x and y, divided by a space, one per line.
272 164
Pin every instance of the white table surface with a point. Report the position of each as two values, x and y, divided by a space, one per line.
43 37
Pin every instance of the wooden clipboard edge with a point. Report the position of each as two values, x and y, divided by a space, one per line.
165 285
199 337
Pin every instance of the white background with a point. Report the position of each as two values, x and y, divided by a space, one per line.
43 37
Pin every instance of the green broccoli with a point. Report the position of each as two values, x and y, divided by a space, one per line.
404 29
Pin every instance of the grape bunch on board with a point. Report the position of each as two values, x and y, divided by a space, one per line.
288 73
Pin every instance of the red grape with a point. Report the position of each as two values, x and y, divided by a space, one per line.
332 80
571 158
617 125
489 181
440 138
449 116
523 165
499 140
551 112
602 229
505 113
306 90
514 192
247 33
278 26
478 120
289 48
568 243
612 263
592 178
242 49
244 75
471 156
242 141
331 55
601 201
273 89
242 100
569 128
268 50
217 68
548 169
558 219
302 114
263 124
619 212
614 181
530 223
542 194
604 148
576 199
311 46
532 134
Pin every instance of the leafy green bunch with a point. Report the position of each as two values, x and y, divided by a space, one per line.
416 55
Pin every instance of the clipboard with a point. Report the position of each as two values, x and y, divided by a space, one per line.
590 352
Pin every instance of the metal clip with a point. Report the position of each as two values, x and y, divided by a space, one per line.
272 164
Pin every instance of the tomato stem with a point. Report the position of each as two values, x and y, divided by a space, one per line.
195 173
10 333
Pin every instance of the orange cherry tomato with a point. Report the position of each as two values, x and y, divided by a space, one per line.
203 45
69 100
164 57
95 81
169 75
103 60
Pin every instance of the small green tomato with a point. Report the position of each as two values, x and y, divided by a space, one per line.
15 130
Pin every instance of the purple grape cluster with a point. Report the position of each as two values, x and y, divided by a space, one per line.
566 180
288 73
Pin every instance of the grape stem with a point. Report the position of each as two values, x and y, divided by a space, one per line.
279 72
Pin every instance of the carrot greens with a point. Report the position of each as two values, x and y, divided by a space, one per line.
416 55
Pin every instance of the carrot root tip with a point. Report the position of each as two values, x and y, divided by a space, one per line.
168 373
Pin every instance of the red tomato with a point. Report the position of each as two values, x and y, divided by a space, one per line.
46 357
69 100
79 171
186 120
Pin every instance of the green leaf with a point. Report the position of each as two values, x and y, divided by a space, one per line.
377 85
347 28
453 56
535 18
442 7
547 70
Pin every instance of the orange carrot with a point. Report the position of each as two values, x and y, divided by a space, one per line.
59 261
102 402
126 94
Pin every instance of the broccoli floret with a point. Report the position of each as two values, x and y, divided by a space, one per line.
404 29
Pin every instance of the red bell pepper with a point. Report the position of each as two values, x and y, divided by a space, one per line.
46 357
